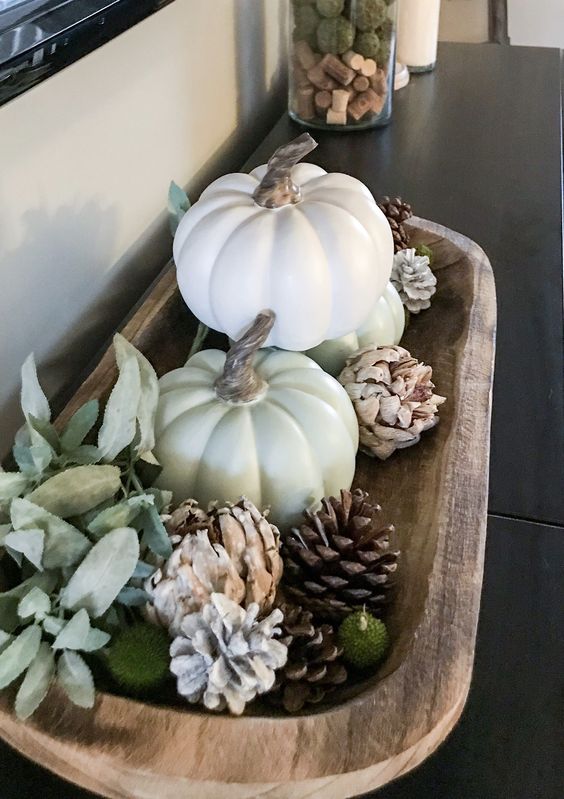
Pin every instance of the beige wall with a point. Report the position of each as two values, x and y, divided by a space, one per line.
85 162
464 21
539 23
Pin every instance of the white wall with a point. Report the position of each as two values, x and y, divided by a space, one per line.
464 21
85 162
538 23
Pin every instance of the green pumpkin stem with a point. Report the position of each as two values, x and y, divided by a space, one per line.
239 381
277 188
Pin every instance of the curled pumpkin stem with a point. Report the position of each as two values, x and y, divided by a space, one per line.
239 381
277 187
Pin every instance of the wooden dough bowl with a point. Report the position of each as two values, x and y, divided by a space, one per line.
436 494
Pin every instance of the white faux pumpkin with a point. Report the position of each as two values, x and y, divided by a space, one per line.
277 428
319 253
384 325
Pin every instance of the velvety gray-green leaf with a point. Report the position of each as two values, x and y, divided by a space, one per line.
74 633
95 640
36 682
77 490
120 417
75 678
103 572
24 459
46 431
120 515
79 425
9 600
18 655
30 543
5 640
33 400
143 570
162 497
85 455
149 391
35 603
155 535
53 625
64 544
178 204
133 597
12 484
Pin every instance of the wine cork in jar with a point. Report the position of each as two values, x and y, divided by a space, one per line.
305 55
378 102
361 83
361 105
304 102
337 69
368 68
321 79
336 117
353 60
323 101
379 82
340 101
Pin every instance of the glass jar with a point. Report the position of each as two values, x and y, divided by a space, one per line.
418 34
342 60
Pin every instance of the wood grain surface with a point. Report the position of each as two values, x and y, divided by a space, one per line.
436 494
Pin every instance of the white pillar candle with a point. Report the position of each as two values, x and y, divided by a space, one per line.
418 33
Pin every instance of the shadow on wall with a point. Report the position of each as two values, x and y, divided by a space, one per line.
81 312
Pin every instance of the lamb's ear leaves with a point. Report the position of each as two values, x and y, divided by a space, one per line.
148 393
37 680
120 417
30 543
75 678
79 425
12 484
103 572
33 400
74 633
155 535
9 600
178 204
36 603
64 544
15 659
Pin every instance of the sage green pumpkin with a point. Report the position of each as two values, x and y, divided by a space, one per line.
272 426
384 325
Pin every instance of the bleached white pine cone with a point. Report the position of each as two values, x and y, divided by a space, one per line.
224 657
413 279
232 550
393 397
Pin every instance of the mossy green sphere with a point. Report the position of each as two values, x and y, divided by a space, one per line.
139 657
307 20
364 639
370 14
385 30
367 44
384 53
330 8
335 35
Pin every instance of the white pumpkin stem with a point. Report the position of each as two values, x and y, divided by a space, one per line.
239 381
277 188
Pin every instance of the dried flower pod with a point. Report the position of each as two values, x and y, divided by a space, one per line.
231 550
393 397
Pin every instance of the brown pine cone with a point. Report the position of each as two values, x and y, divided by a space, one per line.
314 667
341 558
396 212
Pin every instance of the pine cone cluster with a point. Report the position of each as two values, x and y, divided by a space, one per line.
314 667
413 280
224 657
341 558
393 397
397 212
231 550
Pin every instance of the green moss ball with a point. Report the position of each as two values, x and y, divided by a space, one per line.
306 19
367 44
383 57
364 639
370 14
335 35
330 8
385 30
139 657
298 3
